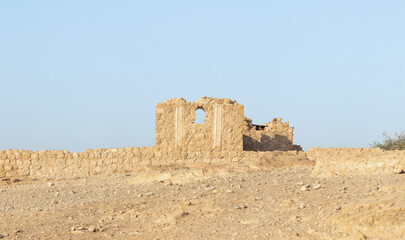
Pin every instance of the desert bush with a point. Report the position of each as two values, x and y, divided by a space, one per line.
391 143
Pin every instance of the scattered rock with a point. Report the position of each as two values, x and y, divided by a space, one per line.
91 229
164 212
240 206
374 218
171 217
305 188
296 218
316 185
311 231
148 194
398 170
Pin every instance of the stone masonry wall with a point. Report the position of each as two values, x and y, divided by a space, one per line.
274 135
356 161
52 164
63 164
177 134
222 138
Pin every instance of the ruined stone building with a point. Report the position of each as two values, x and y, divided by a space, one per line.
224 136
224 128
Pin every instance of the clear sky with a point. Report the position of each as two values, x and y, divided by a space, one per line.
79 75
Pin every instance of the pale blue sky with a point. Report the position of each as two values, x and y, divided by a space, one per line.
87 74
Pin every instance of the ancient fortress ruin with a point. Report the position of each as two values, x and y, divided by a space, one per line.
224 128
225 136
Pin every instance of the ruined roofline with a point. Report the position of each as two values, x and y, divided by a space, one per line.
274 122
201 100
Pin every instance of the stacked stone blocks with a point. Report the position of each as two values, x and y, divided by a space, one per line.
220 139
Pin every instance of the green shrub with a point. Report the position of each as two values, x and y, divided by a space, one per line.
389 143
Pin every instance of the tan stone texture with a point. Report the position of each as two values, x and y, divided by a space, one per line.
271 136
356 161
225 137
177 134
221 138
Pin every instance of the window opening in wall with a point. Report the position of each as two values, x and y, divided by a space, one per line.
199 116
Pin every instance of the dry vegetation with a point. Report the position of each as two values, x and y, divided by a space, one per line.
391 143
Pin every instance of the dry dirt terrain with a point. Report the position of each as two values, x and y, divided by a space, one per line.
206 202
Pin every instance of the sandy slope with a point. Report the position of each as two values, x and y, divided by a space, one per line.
206 203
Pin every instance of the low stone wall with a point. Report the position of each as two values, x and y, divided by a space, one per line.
54 164
355 161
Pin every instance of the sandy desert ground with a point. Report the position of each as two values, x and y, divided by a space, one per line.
206 202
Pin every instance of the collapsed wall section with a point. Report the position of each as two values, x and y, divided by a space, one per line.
271 136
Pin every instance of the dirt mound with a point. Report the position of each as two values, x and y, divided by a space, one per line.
178 176
278 161
374 218
182 174
331 162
